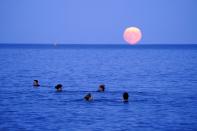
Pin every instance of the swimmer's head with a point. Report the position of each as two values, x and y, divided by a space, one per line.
88 97
58 87
125 97
101 88
36 83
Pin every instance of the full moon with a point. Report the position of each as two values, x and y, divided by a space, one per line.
132 35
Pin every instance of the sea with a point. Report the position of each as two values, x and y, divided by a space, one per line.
161 81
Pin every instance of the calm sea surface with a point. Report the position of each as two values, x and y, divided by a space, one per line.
161 81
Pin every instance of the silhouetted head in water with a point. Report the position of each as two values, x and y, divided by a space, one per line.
88 97
36 83
58 87
125 97
101 88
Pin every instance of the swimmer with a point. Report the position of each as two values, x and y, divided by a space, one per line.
88 97
58 87
101 88
36 83
125 97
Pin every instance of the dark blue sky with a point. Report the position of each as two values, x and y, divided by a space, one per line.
97 21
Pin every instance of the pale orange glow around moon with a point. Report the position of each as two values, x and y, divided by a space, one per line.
132 35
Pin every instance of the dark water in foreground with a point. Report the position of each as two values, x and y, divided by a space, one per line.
161 81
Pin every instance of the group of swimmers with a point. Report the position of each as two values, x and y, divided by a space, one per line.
87 97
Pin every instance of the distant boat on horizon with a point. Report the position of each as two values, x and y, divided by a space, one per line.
55 44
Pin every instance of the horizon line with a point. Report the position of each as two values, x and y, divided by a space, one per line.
97 44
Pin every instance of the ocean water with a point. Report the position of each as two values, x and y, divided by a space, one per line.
161 81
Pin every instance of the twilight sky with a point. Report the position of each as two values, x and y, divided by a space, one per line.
97 21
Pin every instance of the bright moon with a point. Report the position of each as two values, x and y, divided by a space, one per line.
132 35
